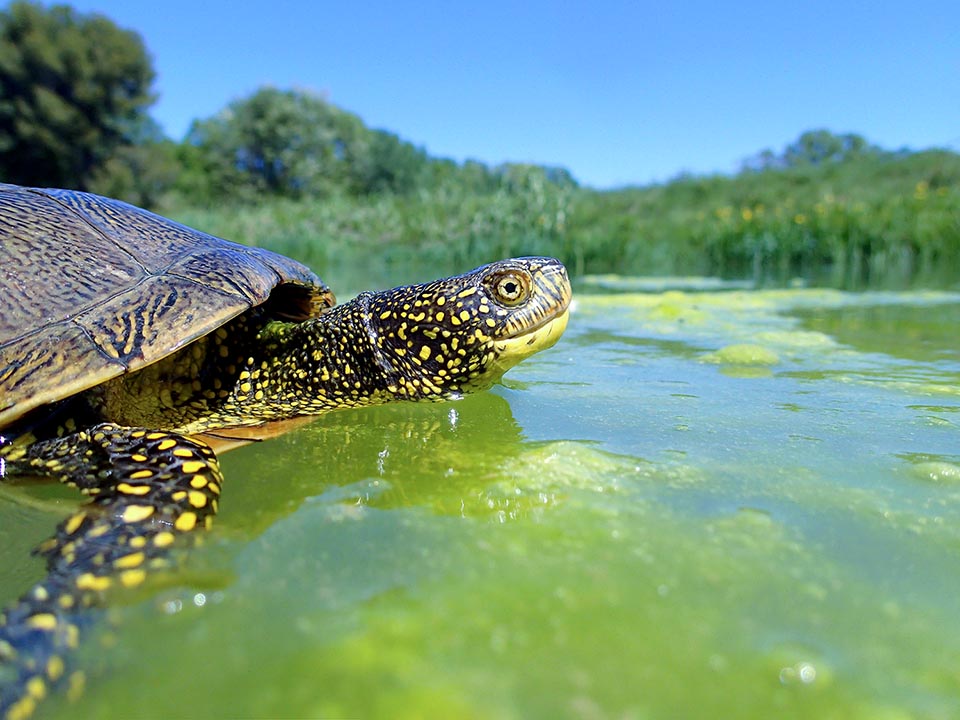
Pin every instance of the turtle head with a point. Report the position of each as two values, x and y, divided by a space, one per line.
460 334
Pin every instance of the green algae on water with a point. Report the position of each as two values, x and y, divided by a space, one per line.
742 354
628 528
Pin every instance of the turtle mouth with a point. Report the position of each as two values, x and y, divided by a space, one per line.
511 350
560 315
547 332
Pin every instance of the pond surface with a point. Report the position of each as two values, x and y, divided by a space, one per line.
731 503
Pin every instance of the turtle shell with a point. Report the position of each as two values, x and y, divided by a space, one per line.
91 288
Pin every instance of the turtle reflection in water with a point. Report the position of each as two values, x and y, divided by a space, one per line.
124 336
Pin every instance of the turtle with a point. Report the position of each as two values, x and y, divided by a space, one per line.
129 343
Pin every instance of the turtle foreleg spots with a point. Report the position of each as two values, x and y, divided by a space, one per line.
148 487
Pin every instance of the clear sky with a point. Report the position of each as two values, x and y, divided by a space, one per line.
617 92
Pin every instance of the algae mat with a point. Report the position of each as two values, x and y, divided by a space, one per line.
738 504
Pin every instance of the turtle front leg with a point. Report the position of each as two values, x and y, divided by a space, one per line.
147 488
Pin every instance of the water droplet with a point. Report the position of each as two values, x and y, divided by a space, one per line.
802 672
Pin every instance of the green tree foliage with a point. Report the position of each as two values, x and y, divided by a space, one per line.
814 147
295 144
279 142
141 173
73 91
390 165
822 146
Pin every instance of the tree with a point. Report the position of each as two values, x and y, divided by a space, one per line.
280 142
817 147
392 165
814 147
141 172
73 90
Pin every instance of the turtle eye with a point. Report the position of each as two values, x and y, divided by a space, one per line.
511 288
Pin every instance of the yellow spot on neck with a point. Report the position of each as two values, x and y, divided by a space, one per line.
54 667
128 489
186 522
130 561
36 687
163 539
74 522
89 581
42 621
102 529
197 499
137 513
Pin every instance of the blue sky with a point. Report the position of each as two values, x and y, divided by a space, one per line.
617 92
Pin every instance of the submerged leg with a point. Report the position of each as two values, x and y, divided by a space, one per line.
147 488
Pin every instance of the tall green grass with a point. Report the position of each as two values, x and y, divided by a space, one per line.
385 237
877 221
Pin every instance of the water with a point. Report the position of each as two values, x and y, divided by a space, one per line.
739 504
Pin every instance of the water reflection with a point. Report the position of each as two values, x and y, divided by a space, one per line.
418 455
912 332
404 455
